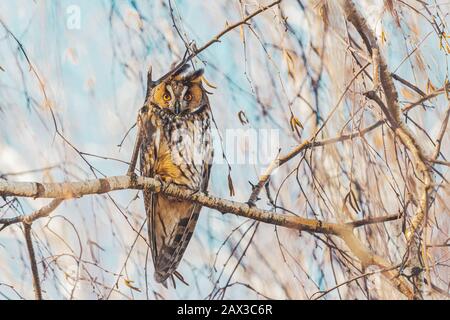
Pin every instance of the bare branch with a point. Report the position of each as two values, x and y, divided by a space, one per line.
392 112
441 134
32 256
375 220
69 190
196 51
307 144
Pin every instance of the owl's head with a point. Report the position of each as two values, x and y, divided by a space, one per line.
179 94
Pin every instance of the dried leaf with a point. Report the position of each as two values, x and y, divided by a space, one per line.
389 5
241 33
296 124
242 118
128 283
230 185
290 61
383 37
354 203
1 68
443 40
419 61
321 7
447 89
408 94
351 199
72 55
90 83
323 12
430 87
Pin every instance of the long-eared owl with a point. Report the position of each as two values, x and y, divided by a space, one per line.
175 124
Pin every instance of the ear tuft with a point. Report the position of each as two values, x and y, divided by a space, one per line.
181 70
195 77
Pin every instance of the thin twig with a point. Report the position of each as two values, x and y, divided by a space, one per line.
196 51
307 144
32 256
392 113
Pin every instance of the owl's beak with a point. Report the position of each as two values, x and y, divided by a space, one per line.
177 108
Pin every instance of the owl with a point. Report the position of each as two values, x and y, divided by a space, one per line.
176 147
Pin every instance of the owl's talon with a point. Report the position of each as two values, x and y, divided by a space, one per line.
161 181
168 182
251 203
165 182
194 192
158 178
132 175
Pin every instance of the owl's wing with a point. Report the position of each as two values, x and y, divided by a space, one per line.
187 232
148 152
168 222
171 224
196 208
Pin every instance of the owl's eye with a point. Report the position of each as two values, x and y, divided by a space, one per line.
167 97
188 97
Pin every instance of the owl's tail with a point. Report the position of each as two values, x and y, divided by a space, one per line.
171 224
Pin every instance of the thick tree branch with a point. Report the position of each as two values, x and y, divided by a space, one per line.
67 190
392 113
